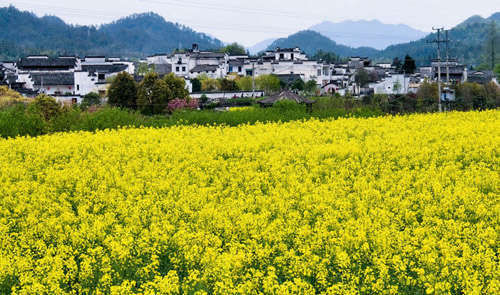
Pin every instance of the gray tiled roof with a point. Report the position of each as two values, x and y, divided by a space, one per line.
53 78
208 55
47 62
112 68
204 68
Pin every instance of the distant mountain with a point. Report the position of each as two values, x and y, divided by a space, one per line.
368 33
138 35
467 43
311 42
261 46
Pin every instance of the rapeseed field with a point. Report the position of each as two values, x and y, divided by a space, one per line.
389 205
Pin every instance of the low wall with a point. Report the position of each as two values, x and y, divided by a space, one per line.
227 95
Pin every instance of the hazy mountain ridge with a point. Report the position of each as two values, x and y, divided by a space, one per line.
367 33
261 46
310 42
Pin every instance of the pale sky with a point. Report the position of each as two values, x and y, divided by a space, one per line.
249 22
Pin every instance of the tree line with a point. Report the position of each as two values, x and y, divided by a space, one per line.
150 96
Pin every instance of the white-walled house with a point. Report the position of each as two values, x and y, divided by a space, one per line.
395 84
64 76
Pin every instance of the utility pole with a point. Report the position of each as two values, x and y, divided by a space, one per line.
438 41
447 41
253 79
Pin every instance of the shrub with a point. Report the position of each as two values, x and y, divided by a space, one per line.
204 99
180 104
10 97
91 99
47 106
16 121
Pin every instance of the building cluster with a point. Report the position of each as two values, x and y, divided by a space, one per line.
290 64
72 77
64 77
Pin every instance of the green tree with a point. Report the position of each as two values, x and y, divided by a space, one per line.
409 65
497 72
298 85
153 95
209 84
328 57
492 95
228 85
362 78
176 86
91 99
47 106
396 63
245 83
311 86
234 49
397 86
471 96
144 68
268 83
123 91
196 84
427 96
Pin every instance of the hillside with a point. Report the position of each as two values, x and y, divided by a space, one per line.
468 41
261 46
368 33
135 36
311 42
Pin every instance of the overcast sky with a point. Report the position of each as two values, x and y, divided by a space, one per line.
252 21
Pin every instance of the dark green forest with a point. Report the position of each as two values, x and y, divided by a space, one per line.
23 33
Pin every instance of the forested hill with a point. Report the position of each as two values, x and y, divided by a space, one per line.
138 35
468 43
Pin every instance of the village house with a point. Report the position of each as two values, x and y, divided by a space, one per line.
67 78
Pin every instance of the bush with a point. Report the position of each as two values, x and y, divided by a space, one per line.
91 99
47 106
10 97
181 104
18 121
204 99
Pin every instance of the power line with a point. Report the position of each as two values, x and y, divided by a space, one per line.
438 41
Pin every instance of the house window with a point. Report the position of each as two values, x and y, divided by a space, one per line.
78 87
319 72
183 69
239 69
177 69
230 69
101 77
282 56
293 56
